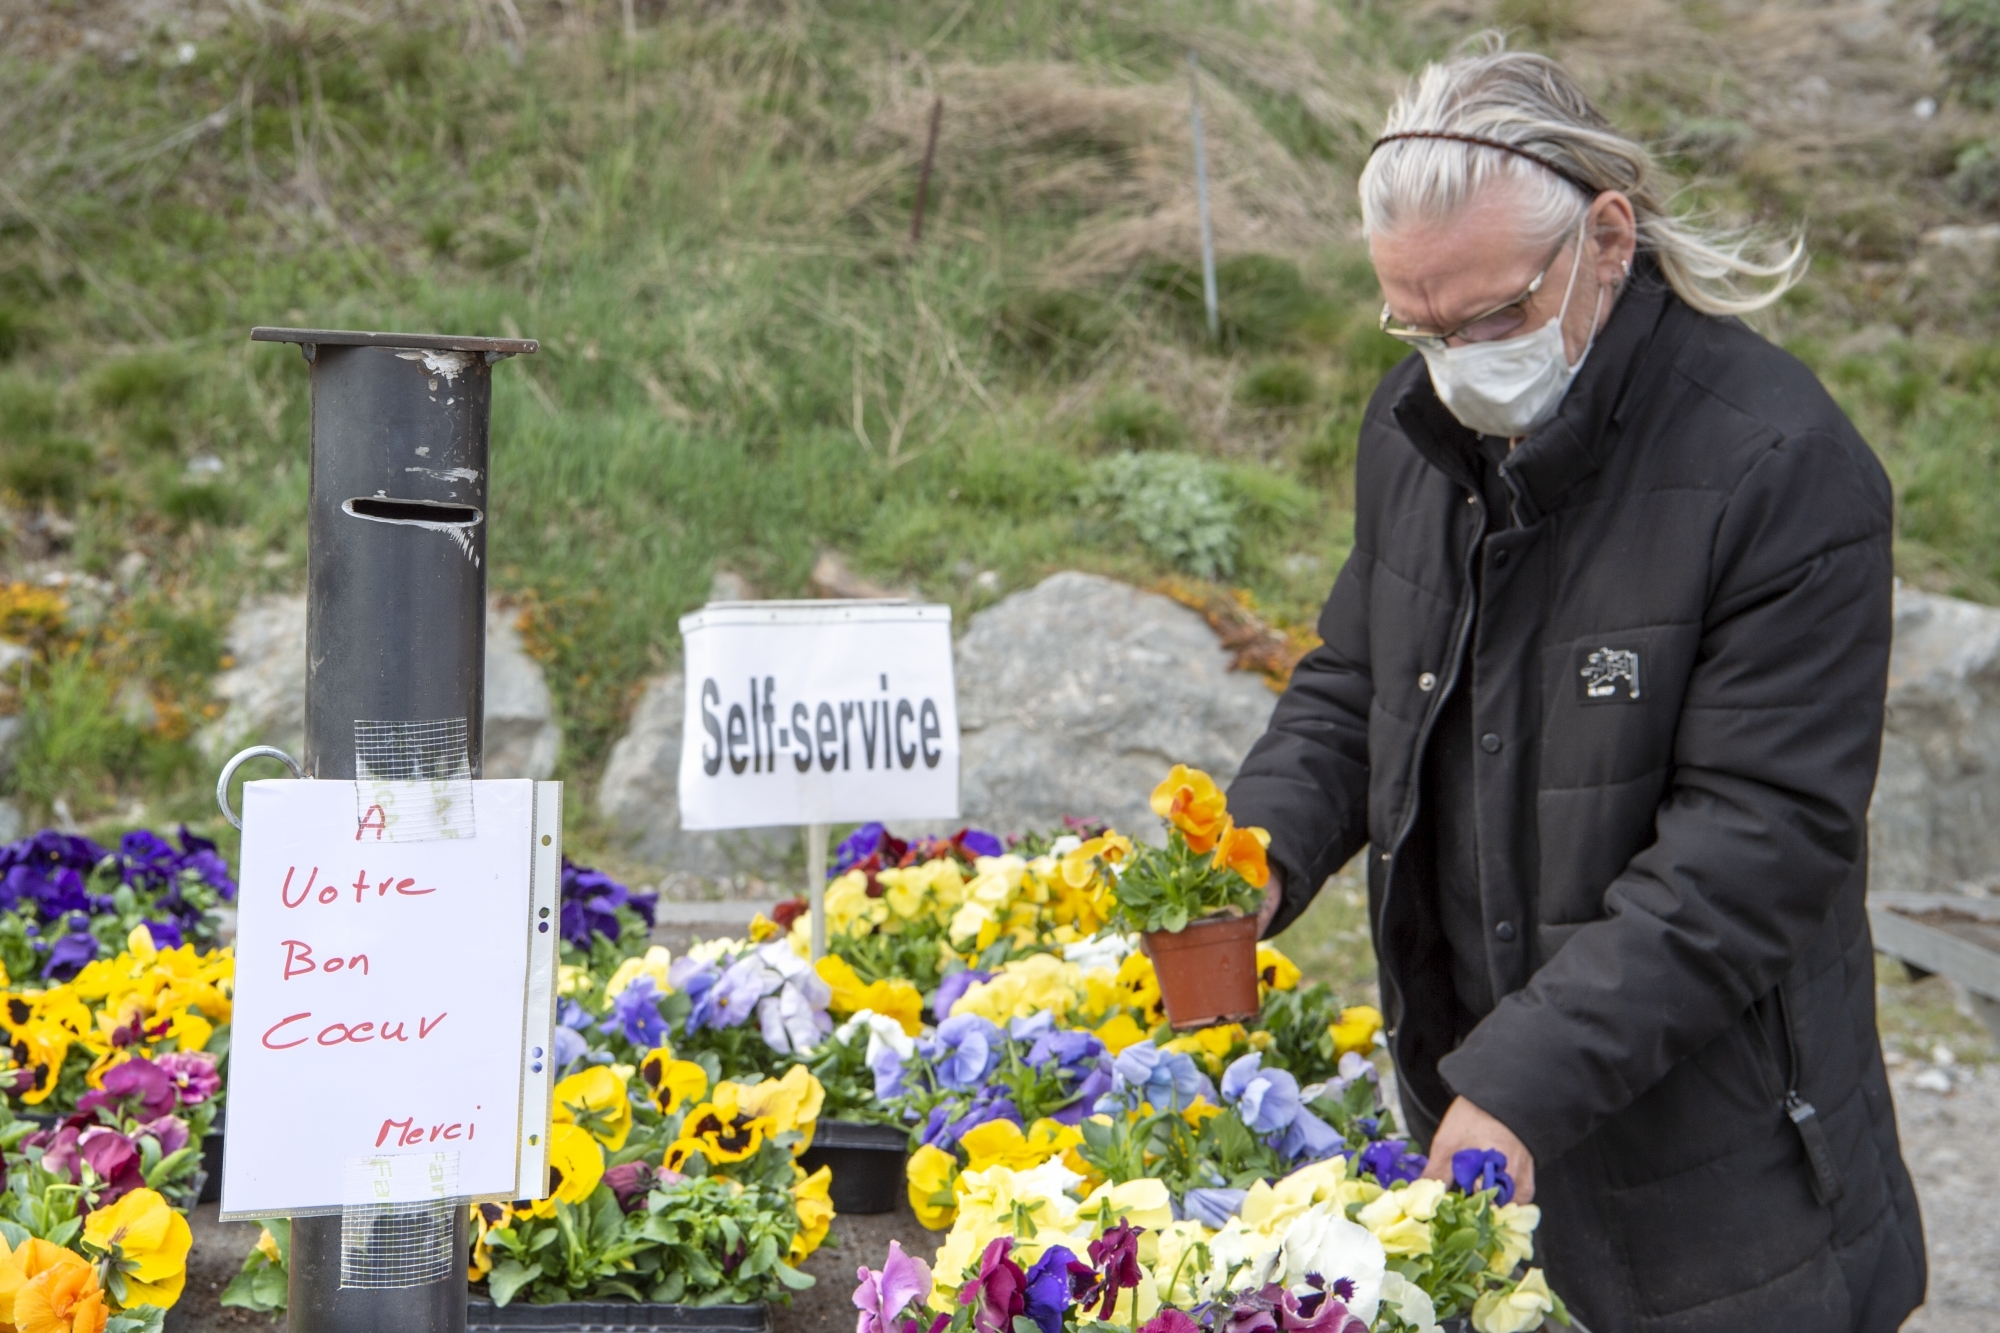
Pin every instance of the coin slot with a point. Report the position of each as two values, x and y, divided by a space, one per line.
417 513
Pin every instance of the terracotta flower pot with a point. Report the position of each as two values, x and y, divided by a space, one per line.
1208 972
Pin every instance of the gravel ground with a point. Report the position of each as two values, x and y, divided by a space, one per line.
1951 1139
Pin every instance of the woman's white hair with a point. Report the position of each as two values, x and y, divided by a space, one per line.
1531 103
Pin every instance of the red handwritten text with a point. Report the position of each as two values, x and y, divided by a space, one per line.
409 1132
297 1030
299 961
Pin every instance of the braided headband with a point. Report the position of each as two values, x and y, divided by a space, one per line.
1540 161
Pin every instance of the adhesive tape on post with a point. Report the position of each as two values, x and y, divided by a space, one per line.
237 761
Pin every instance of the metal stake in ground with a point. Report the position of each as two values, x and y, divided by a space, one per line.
1201 199
395 689
924 175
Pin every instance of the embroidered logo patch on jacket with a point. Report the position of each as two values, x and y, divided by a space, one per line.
1608 675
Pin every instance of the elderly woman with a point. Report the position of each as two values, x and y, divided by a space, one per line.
1601 692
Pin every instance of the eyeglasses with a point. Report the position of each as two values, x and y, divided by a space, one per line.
1499 322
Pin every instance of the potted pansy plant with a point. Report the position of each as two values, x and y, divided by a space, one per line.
1195 901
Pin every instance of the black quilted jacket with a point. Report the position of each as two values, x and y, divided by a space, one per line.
1677 676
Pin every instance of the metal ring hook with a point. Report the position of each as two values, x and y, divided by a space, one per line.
242 757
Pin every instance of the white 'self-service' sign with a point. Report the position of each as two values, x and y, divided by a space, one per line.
818 713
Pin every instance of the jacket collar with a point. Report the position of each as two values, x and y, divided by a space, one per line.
1578 440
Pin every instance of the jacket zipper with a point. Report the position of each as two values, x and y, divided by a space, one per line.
1409 821
1826 1183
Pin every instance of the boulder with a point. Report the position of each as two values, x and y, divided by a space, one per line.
639 798
1935 822
264 691
1076 695
522 738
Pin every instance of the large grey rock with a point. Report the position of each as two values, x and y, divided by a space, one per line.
1076 696
639 797
1935 822
522 738
264 691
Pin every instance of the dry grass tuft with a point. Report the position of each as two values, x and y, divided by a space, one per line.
1042 135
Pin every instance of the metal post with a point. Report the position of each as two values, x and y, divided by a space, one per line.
816 840
1201 198
924 175
395 637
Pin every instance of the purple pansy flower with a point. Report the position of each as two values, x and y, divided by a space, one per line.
635 1011
1267 1100
1212 1207
1391 1162
881 1295
193 1074
137 1080
1053 1285
1116 1255
1476 1169
999 1292
953 988
964 1050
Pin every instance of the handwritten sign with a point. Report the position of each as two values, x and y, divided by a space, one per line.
392 999
818 713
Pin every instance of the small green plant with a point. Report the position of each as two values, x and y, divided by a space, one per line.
1278 386
42 469
72 736
1208 868
1134 419
1176 505
1967 33
151 377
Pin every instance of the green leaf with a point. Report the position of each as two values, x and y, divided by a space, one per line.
15 1234
281 1232
165 1169
508 1278
797 1281
138 1319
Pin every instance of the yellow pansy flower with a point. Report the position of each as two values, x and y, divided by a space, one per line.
63 1299
1515 1311
576 1164
763 928
1142 988
1517 1235
1119 1032
573 979
59 1302
891 997
1274 970
672 1082
1401 1217
143 1242
653 963
931 1174
596 1100
719 1130
1242 850
786 1104
1210 1045
814 1201
849 909
1356 1028
1189 800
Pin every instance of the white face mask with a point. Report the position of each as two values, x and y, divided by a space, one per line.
1513 385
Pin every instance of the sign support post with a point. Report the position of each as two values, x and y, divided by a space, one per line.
816 839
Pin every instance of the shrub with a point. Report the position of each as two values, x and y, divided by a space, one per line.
1179 507
1967 33
1278 385
1130 418
151 377
54 470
